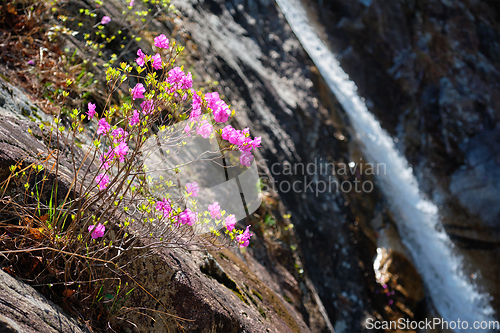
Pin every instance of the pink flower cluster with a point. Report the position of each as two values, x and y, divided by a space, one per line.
119 137
195 116
102 181
140 60
230 222
243 141
196 105
188 217
119 151
214 210
164 206
91 112
179 80
103 127
219 108
161 41
205 129
244 238
147 106
156 61
193 189
138 91
134 120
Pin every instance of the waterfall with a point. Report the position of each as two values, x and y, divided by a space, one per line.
418 222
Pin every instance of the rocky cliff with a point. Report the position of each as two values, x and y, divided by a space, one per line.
429 70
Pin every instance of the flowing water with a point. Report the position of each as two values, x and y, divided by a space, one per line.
452 294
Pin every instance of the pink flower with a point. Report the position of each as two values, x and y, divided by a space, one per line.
138 91
97 230
147 106
246 130
105 20
103 126
246 158
250 144
237 138
193 188
195 114
131 4
227 132
164 206
121 151
211 98
244 238
205 129
188 217
31 63
140 59
247 145
102 181
119 135
156 61
91 111
179 80
161 41
230 222
221 111
187 81
175 220
219 108
196 103
175 75
135 118
215 210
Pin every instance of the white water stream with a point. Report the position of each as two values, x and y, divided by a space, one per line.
452 294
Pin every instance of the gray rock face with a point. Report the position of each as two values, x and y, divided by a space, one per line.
23 309
15 103
477 183
430 71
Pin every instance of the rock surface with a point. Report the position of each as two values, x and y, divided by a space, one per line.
23 309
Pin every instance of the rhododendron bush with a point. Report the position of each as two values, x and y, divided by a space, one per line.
135 169
148 161
162 169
